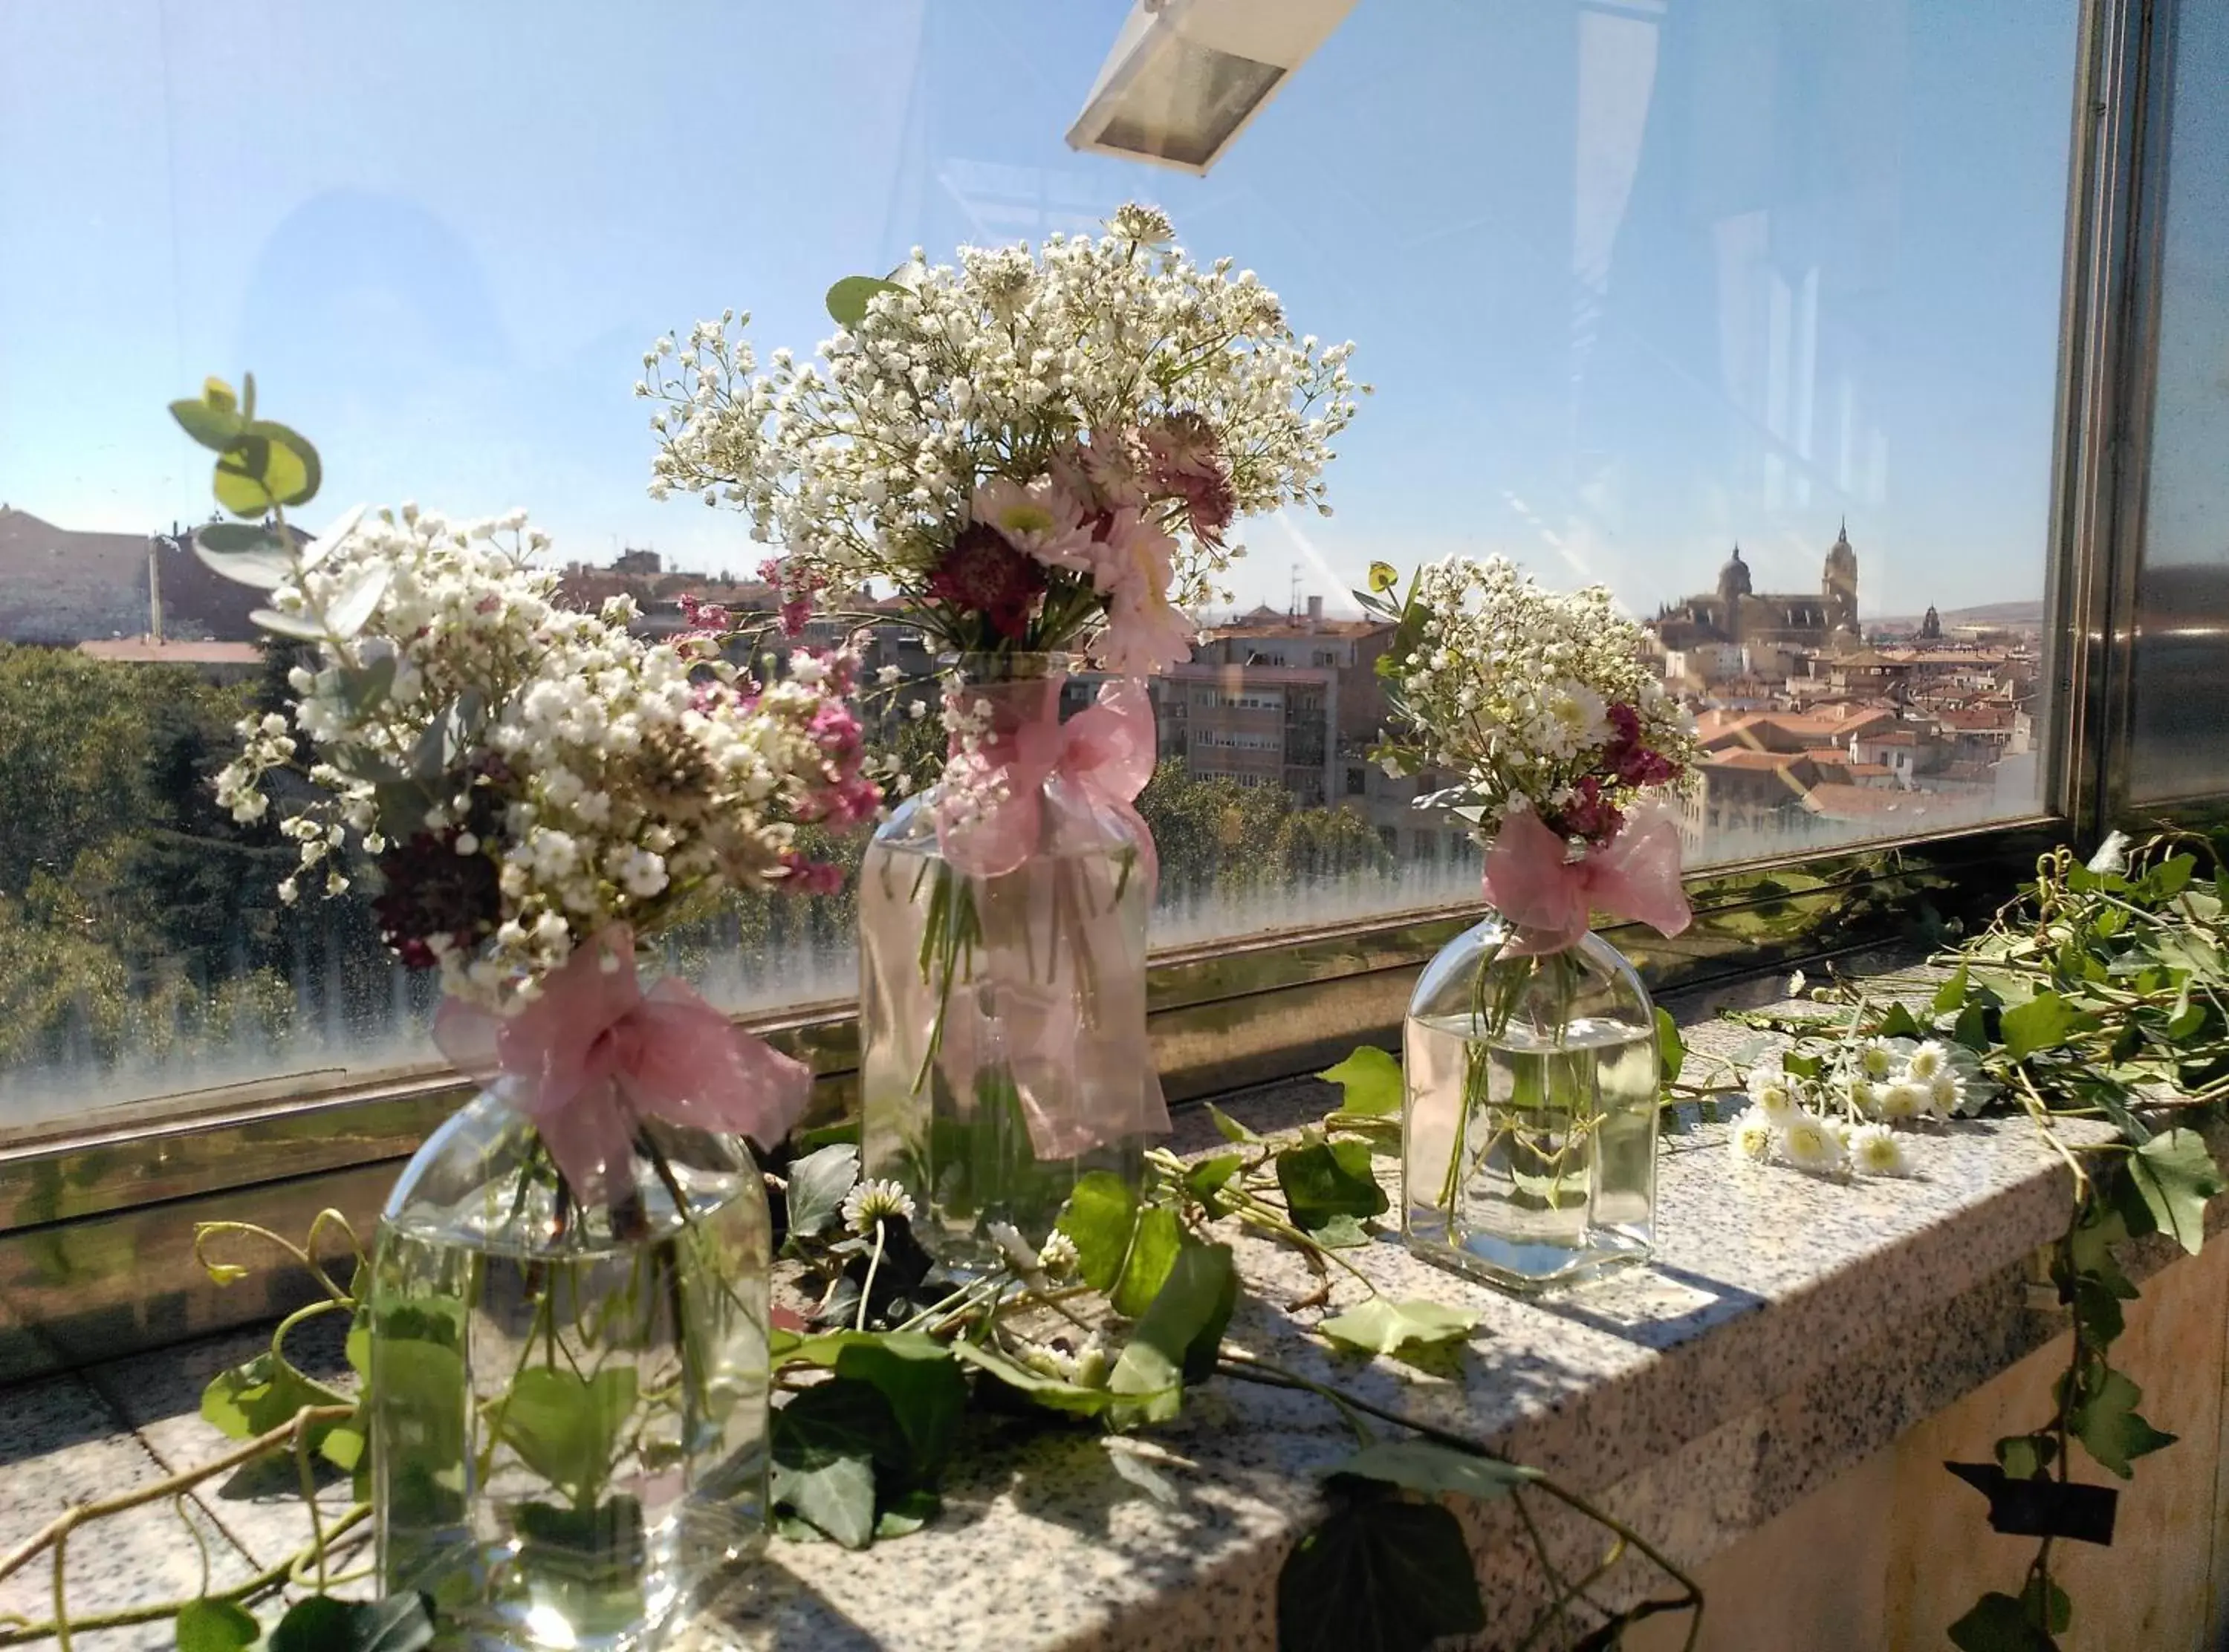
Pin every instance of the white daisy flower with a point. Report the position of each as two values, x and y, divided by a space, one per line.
1902 1100
1774 1094
870 1203
1875 1059
1879 1151
1862 1096
1751 1140
1947 1095
1925 1062
1808 1144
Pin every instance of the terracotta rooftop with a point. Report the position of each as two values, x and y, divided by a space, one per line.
1836 802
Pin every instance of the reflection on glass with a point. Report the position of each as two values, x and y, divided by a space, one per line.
2182 594
1638 281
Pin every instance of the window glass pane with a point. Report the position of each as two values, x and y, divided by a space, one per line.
2182 601
1637 280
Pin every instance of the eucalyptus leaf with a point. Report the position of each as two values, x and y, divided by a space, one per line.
354 606
266 466
215 421
331 537
1379 1576
301 627
1369 1081
1384 1326
847 299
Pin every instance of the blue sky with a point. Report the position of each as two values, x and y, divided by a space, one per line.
1633 277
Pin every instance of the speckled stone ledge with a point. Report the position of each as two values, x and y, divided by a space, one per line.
1789 1328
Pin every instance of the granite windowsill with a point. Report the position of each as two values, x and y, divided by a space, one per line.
1789 1328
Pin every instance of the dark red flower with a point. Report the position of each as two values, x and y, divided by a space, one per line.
431 891
982 573
1591 814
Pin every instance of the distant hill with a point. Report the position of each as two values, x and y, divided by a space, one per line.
2014 616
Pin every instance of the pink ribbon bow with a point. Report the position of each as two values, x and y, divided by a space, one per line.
1105 753
1547 898
593 1055
1067 1022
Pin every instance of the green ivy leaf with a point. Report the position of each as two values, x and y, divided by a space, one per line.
1899 1023
1209 1176
926 1392
1950 997
216 1626
2039 1024
2023 1456
2047 1606
1176 1338
1671 1048
398 1624
343 1448
565 1426
847 299
817 1183
1322 1180
908 1513
1999 1623
2176 1175
1384 1326
824 1445
1070 1399
1154 1246
1101 1215
1369 1081
263 1395
2111 1431
1341 1233
1972 1027
1423 1466
1381 1574
2090 1248
1229 1127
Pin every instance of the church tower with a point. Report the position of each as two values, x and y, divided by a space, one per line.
1733 587
1840 584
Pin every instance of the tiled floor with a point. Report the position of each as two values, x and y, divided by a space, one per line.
117 1428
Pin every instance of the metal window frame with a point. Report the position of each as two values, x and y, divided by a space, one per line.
97 1224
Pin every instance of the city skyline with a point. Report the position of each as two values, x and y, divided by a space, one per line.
1632 312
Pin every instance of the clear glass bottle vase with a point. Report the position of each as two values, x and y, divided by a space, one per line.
569 1403
1529 1124
988 1004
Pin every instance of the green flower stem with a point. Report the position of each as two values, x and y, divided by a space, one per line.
874 1265
309 1479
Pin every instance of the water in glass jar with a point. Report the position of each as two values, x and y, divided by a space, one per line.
1531 1155
569 1443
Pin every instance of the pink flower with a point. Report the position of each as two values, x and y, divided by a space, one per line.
1135 567
1040 519
1184 461
1108 468
1591 814
812 877
984 575
797 587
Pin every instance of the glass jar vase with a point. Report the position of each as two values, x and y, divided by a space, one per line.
1002 972
569 1402
1529 1123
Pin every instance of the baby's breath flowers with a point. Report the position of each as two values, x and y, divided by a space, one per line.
1535 701
521 774
1037 448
